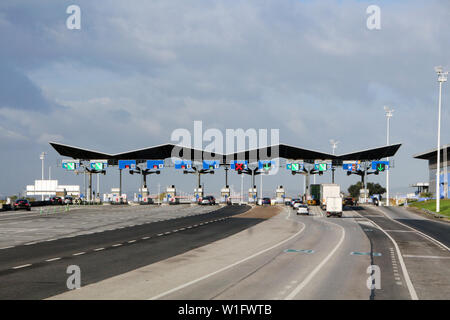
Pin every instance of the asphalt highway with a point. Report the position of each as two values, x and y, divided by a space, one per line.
240 253
37 271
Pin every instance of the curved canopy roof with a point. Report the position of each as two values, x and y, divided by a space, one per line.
168 150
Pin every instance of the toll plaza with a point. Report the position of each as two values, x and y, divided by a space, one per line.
198 162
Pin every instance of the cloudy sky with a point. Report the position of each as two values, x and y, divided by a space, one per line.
134 73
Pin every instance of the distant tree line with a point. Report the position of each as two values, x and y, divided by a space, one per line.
374 188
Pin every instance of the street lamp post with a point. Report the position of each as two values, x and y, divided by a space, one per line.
442 77
389 114
334 146
42 157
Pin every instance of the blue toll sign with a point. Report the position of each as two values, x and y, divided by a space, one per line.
265 165
155 164
127 164
380 166
185 164
210 164
239 165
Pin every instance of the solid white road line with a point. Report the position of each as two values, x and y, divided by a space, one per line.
317 268
412 291
424 257
227 267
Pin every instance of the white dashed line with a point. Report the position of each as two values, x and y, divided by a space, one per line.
7 247
160 234
116 245
53 259
78 253
99 249
145 238
30 243
131 241
22 266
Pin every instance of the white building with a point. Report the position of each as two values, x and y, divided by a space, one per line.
51 188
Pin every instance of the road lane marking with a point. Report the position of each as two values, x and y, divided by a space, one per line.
419 232
187 284
131 241
53 259
78 253
317 268
30 243
116 245
412 291
424 257
22 266
7 247
99 249
145 238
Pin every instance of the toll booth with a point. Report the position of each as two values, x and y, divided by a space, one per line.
363 195
198 194
252 195
280 194
143 196
225 194
171 195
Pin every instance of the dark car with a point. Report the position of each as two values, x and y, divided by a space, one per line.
56 200
266 201
22 204
208 200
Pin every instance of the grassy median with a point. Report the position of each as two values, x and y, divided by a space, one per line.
431 205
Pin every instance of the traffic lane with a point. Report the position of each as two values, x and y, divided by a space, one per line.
285 271
436 229
427 262
345 275
35 252
48 278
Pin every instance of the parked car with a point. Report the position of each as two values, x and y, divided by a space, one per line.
303 209
266 201
208 200
56 200
22 204
68 200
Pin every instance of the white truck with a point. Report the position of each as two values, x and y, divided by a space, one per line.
330 199
334 206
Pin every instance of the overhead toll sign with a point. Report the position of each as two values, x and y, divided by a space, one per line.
155 164
127 164
265 165
295 166
351 165
70 165
99 165
210 164
380 165
239 165
185 164
322 165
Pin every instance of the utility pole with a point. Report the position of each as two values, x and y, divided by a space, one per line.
389 113
442 77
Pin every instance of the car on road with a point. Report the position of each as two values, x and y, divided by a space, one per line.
303 209
297 204
22 204
208 200
265 201
56 200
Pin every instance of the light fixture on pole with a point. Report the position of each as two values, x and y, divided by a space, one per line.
389 114
334 144
442 77
42 157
